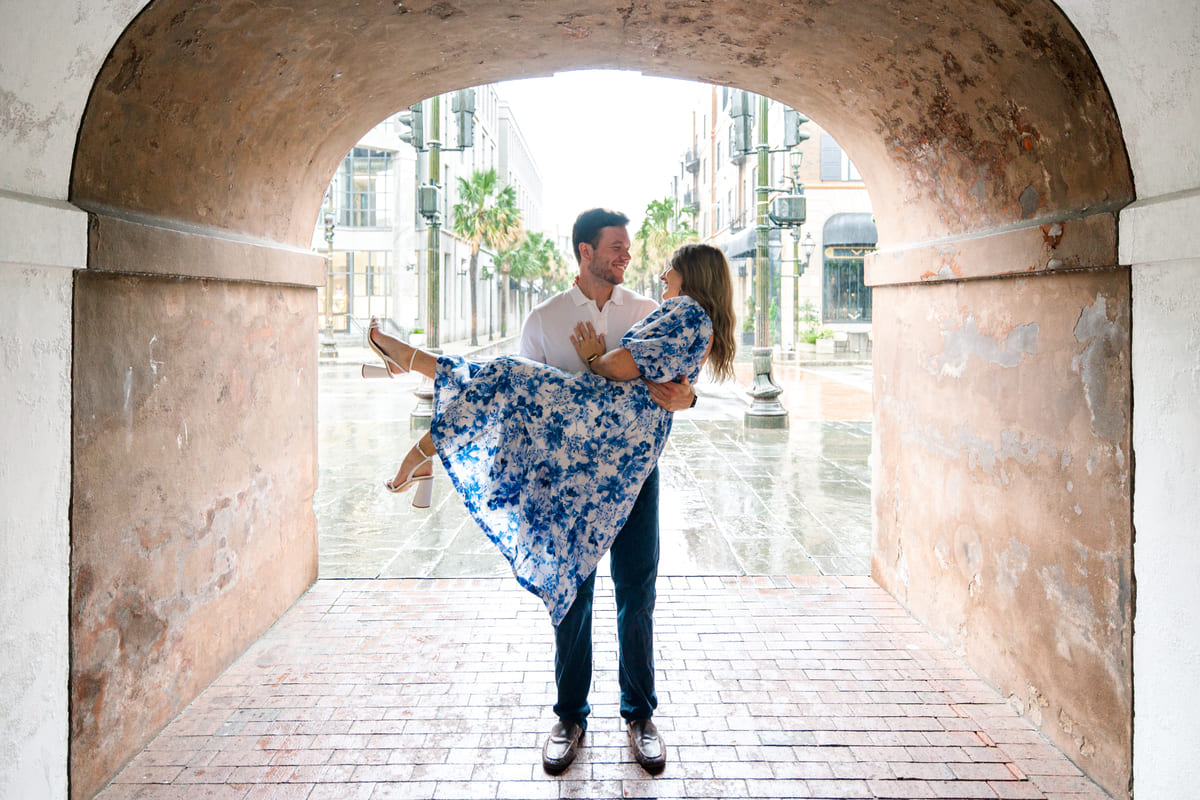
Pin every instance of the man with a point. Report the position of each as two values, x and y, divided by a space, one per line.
601 242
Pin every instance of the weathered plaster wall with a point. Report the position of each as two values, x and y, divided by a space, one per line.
1147 53
953 109
50 51
972 120
35 473
1002 486
194 470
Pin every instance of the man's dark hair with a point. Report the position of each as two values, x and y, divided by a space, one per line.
588 225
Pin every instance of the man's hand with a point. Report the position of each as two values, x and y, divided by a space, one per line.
672 396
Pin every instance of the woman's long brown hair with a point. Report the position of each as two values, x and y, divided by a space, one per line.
705 278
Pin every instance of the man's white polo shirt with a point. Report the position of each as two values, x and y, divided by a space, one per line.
547 331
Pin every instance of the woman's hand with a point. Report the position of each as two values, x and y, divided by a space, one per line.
616 365
588 344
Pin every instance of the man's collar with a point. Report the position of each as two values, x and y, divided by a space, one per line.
579 298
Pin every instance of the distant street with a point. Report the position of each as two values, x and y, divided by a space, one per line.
734 501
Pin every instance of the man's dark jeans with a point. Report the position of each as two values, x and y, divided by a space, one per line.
633 561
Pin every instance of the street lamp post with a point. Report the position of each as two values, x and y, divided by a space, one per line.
328 345
429 202
766 411
807 246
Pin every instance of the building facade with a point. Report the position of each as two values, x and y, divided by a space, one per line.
816 266
376 236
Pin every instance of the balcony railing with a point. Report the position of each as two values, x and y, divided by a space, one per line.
691 160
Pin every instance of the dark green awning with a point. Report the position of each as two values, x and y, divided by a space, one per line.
849 229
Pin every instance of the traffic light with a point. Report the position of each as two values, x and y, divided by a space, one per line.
429 200
789 210
416 124
741 109
743 135
329 226
462 104
741 104
792 120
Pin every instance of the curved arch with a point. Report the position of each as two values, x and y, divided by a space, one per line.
982 126
961 115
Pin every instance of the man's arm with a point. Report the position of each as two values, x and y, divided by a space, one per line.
531 339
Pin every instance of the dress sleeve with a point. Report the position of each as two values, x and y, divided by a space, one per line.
671 341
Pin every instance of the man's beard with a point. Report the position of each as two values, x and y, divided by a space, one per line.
607 273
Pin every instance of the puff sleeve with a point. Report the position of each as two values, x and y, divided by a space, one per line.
671 342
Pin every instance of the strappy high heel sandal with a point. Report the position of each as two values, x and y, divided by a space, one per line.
424 483
376 371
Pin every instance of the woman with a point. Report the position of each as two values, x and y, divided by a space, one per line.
548 462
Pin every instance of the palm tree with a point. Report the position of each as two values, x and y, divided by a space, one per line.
547 262
486 214
534 256
665 226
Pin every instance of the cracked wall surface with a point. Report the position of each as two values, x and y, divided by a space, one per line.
955 111
982 127
1003 491
192 521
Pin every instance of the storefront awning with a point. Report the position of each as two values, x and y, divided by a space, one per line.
744 244
843 229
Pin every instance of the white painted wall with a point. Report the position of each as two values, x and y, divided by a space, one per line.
1166 443
42 242
1159 236
50 53
1147 54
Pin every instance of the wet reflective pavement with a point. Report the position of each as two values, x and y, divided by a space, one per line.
734 501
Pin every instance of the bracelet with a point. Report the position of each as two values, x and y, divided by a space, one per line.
592 358
695 397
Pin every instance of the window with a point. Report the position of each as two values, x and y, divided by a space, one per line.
373 272
846 297
366 189
835 164
339 303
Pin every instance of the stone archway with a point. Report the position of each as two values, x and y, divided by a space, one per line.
1002 355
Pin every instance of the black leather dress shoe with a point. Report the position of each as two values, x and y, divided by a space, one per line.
560 747
648 747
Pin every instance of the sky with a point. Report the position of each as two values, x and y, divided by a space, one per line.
603 138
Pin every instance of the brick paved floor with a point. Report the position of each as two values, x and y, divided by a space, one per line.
807 687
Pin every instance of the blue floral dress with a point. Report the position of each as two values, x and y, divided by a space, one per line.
549 462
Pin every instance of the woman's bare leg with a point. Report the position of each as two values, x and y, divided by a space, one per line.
401 351
415 456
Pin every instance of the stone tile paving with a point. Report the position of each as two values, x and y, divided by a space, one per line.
733 502
770 687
